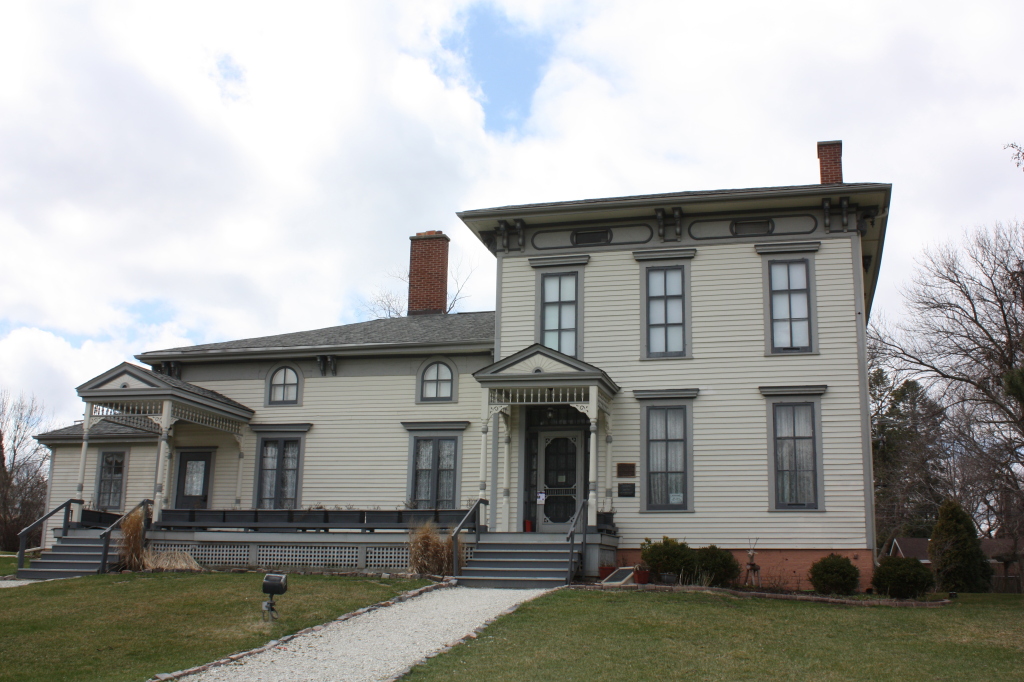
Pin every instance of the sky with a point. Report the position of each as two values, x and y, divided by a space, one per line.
192 172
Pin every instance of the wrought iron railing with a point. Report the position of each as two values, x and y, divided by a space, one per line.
570 537
105 534
23 535
477 507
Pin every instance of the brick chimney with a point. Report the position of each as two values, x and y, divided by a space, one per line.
830 158
428 273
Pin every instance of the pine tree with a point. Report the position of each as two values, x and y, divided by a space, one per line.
955 551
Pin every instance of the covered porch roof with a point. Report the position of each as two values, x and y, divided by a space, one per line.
132 391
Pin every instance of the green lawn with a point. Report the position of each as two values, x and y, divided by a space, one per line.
576 635
132 626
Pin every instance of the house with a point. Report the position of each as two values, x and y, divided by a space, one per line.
688 364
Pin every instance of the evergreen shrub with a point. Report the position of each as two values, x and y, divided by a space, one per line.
667 556
955 551
834 574
902 578
715 567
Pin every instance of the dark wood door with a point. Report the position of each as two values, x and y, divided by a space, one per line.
194 480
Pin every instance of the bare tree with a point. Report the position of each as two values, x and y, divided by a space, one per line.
387 302
964 337
1018 153
22 466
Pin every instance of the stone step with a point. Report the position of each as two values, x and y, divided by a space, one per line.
517 562
83 566
49 573
526 572
512 583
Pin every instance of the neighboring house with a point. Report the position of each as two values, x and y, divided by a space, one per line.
692 364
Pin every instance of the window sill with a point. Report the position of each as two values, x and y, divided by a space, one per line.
664 511
796 511
665 357
783 354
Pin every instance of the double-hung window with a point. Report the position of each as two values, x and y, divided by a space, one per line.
434 473
279 473
790 306
665 312
796 475
111 480
559 312
666 457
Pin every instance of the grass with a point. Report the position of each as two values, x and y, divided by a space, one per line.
576 635
9 563
132 626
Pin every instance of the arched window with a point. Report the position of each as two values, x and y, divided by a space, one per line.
437 382
284 387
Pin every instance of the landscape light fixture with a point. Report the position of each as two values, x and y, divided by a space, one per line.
273 585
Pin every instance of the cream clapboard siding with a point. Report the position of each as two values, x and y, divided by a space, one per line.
139 476
730 422
225 462
357 452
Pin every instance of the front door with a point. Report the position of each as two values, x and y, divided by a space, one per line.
560 478
193 480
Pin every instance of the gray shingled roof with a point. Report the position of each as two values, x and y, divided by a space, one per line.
415 329
141 427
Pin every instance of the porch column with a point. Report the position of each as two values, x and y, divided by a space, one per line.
161 460
608 465
506 499
238 474
80 488
483 447
592 506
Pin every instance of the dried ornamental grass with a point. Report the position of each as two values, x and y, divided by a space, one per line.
131 550
170 561
430 553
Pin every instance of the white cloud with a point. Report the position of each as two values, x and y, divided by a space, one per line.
193 172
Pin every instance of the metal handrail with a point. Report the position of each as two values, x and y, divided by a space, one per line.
105 534
23 535
570 537
477 507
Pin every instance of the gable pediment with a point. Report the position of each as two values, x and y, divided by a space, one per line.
124 376
521 369
124 380
538 363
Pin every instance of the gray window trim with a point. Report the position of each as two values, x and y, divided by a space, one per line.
539 305
178 451
124 474
280 428
646 265
419 380
792 399
278 435
787 247
454 431
812 295
642 484
299 391
556 261
436 426
665 254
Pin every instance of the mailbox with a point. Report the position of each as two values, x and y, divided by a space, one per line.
275 584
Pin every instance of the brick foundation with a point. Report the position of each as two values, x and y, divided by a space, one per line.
784 568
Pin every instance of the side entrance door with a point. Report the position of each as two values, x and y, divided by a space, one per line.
193 480
560 479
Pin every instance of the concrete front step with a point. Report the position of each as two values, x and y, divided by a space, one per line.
539 554
527 572
518 563
513 583
80 566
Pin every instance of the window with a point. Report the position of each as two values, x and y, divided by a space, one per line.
790 306
434 473
795 456
284 387
558 313
111 480
665 311
279 473
437 382
666 457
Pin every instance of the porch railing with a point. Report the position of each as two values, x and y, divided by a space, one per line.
363 520
570 537
23 535
105 534
478 508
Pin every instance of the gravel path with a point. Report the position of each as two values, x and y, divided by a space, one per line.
378 645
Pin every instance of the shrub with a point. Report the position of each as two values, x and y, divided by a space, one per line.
834 574
955 551
667 556
902 578
430 553
715 567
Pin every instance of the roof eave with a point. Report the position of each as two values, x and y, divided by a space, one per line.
105 395
214 354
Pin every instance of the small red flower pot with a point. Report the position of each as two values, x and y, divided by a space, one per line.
641 577
605 571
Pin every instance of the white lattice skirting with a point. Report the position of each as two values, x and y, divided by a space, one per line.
245 555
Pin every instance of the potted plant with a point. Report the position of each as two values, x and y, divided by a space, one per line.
641 573
605 570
